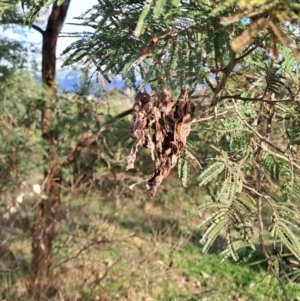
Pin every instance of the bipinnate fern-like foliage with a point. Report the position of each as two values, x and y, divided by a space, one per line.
284 225
243 61
160 40
184 169
239 63
235 209
235 213
256 166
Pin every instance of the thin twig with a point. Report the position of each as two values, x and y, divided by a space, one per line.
85 142
256 192
283 157
221 85
254 130
33 26
38 29
208 118
242 98
259 99
263 247
253 48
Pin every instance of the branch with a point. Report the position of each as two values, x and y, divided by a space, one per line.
283 157
148 51
252 49
266 197
209 83
261 227
221 85
227 71
259 99
270 119
21 22
87 141
37 28
208 118
254 130
243 98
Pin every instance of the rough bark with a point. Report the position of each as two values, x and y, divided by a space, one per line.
43 228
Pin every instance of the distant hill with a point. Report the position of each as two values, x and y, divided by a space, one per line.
70 81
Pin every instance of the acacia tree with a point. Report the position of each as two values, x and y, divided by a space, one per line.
43 229
245 55
56 156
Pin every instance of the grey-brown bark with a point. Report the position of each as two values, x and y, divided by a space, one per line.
43 229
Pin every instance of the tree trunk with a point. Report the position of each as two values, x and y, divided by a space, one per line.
42 230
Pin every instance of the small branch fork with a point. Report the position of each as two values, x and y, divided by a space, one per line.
227 71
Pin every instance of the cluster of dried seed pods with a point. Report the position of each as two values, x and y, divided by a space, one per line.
162 125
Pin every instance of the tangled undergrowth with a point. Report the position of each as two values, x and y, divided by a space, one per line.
162 125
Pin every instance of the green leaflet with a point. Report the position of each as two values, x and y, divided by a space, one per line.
247 202
59 2
211 172
280 229
293 240
274 262
230 187
223 7
176 2
211 205
233 247
141 24
290 65
290 241
110 49
213 217
289 210
235 209
159 7
273 79
211 234
184 170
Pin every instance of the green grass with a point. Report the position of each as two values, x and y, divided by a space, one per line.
150 251
116 244
230 281
138 249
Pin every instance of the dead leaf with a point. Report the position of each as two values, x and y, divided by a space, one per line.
162 125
